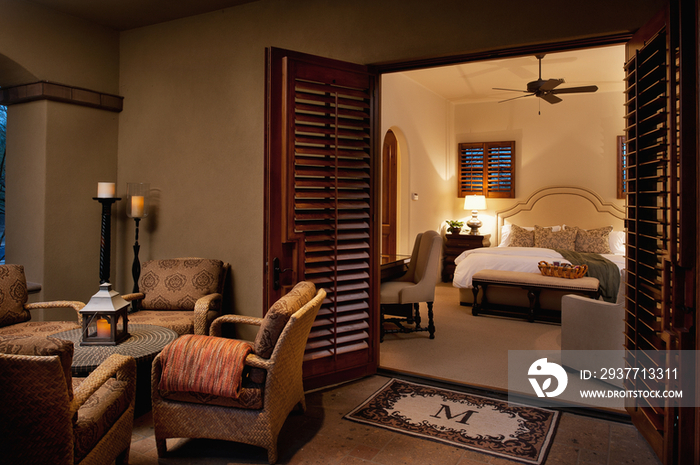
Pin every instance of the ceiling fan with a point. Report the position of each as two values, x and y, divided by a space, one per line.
547 89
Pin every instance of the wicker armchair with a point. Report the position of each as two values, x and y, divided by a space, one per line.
271 386
15 319
183 294
50 418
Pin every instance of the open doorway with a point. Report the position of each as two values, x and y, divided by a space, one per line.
571 143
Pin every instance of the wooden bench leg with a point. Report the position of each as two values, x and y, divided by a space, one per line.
476 305
533 296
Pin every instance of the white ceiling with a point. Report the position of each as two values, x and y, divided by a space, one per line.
474 82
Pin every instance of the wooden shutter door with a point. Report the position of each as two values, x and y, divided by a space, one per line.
661 73
320 215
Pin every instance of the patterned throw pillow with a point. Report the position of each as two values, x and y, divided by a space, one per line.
178 283
13 295
548 239
592 240
521 237
278 315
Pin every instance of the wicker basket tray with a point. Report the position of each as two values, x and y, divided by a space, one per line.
562 271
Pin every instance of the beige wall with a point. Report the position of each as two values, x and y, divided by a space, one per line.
56 153
573 143
423 122
192 124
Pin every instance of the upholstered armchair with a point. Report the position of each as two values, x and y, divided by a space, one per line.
268 388
183 294
48 417
15 318
593 332
401 297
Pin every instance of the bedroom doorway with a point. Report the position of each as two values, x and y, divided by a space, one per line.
471 349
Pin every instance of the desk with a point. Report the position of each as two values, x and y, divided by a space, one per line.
393 266
144 343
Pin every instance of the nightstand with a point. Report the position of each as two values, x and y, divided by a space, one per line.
455 244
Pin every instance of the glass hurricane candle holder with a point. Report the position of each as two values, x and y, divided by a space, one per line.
137 199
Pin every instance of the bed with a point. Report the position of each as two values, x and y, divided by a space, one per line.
557 207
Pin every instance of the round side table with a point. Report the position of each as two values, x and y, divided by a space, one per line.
144 343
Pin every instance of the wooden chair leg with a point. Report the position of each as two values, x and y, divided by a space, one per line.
381 325
431 325
416 314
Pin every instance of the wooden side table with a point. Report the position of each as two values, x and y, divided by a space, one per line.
455 244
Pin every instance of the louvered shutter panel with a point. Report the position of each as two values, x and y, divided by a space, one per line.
661 238
487 168
471 169
332 210
649 185
500 172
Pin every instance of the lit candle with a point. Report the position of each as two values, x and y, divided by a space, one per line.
105 190
103 328
137 206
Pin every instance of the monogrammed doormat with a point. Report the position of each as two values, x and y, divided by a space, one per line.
512 431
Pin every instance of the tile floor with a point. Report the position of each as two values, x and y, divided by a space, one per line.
321 436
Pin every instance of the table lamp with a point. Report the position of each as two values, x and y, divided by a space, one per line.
474 203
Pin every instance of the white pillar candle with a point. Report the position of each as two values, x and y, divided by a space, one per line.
105 190
103 328
137 206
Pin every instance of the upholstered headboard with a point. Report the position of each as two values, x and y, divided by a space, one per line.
557 205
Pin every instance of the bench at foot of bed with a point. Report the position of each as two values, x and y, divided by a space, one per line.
533 283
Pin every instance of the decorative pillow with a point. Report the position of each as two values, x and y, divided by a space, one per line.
277 316
548 239
178 283
13 295
506 233
592 240
521 237
42 345
617 242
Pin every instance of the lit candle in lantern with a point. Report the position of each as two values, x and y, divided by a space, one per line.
137 206
105 190
103 328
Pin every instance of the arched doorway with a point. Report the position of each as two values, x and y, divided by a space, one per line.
389 193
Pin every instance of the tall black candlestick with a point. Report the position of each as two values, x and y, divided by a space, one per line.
106 237
136 266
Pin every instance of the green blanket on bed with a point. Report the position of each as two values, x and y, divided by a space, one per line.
598 267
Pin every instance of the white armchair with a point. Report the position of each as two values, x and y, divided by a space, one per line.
401 297
593 325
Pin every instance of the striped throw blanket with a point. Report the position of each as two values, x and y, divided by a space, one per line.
204 364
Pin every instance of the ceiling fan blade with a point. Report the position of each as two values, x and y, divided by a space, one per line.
551 84
515 98
511 90
548 97
575 90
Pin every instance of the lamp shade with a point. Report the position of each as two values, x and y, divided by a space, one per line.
475 202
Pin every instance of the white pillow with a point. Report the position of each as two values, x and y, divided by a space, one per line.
505 233
617 242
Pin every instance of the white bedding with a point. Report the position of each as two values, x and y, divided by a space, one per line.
509 258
